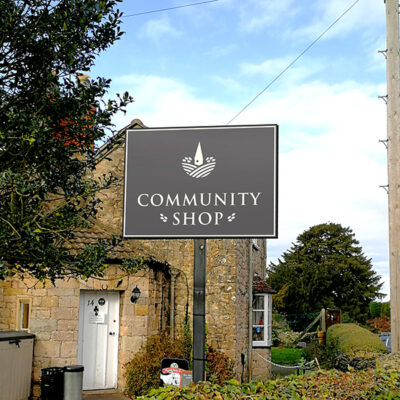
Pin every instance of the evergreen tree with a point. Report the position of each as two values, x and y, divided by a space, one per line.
49 123
325 268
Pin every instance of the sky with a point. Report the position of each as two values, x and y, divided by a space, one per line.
201 65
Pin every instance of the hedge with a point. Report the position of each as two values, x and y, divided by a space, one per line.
360 385
353 340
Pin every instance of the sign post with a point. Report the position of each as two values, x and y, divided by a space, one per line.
199 309
198 183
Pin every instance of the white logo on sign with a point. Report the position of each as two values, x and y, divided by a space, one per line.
197 168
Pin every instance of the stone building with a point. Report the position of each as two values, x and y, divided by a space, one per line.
96 322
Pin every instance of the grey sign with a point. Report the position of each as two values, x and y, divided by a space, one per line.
201 182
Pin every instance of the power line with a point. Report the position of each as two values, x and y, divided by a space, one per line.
294 61
169 8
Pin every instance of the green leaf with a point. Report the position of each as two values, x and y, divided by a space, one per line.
44 112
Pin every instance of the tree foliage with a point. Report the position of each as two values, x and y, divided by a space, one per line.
325 268
49 122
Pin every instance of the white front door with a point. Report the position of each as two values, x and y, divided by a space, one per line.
98 338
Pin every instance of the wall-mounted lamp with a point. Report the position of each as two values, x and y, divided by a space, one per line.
135 295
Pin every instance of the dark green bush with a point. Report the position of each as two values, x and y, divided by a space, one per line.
347 345
346 319
385 309
325 355
330 357
375 309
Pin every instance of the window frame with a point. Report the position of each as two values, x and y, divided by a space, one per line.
22 302
267 310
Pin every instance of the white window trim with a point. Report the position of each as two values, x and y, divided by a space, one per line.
267 342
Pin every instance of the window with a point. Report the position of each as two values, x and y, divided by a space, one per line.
262 320
23 314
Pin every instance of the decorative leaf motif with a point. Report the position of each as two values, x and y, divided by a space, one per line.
196 168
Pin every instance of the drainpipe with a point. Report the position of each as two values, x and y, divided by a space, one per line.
250 344
173 273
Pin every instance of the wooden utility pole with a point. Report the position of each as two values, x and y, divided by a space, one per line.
393 144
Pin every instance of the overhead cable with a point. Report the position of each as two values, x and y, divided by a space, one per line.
169 8
294 61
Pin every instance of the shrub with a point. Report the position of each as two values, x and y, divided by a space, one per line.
220 366
375 309
346 319
389 361
325 354
342 362
385 309
328 356
142 373
287 339
371 385
354 341
380 324
334 355
279 322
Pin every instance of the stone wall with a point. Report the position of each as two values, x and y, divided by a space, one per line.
55 310
261 363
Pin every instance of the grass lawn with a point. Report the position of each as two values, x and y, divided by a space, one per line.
286 356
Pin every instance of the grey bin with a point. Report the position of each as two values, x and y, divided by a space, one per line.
16 351
73 379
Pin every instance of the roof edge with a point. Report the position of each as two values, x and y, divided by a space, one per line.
116 139
261 286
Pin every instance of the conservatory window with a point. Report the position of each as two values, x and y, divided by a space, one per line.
262 320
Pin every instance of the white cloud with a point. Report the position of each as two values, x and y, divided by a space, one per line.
221 51
365 15
167 102
331 164
229 84
270 68
257 14
159 28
